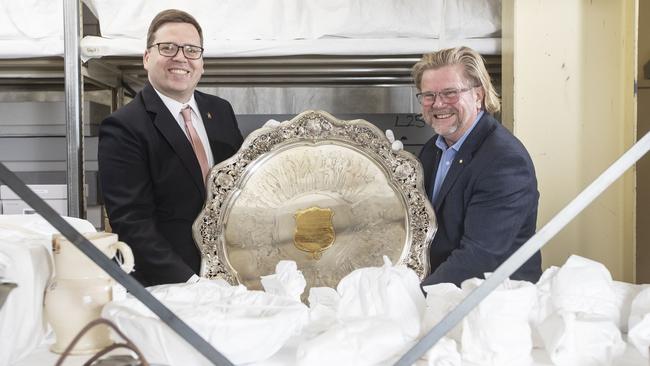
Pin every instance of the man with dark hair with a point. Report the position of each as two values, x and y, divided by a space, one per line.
155 153
478 176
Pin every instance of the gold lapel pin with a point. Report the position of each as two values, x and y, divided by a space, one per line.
209 115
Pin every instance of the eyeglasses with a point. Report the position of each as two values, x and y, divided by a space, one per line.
170 49
446 96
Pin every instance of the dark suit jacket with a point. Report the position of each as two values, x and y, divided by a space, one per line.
151 181
486 208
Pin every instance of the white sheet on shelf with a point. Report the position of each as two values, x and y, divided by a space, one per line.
93 47
257 28
252 28
31 28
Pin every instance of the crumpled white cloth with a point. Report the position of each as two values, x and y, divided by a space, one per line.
441 299
579 313
543 307
287 281
585 287
639 322
571 341
25 245
444 353
378 314
246 326
497 331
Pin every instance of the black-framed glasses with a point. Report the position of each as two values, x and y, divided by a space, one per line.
446 96
170 49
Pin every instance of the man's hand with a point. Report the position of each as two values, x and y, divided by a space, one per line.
394 145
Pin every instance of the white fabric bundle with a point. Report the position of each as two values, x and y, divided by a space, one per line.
441 299
287 281
25 244
443 353
543 306
378 315
639 322
246 326
585 287
571 341
579 322
497 331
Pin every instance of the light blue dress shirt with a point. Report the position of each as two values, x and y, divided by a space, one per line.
448 156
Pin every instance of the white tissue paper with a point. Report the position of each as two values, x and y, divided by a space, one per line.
579 323
497 332
287 281
441 299
246 326
585 287
378 315
443 353
639 322
543 307
25 245
323 308
624 294
581 342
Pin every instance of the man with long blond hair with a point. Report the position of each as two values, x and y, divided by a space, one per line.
478 176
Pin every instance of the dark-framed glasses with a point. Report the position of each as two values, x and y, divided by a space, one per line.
446 96
169 49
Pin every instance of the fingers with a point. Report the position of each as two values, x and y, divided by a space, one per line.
397 146
390 135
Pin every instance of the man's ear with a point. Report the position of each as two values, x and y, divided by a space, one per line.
145 59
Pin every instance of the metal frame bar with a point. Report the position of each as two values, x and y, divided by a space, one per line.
73 97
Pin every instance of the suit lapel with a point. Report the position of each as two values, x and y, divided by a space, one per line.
169 128
431 168
483 128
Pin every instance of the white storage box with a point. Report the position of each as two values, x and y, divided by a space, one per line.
54 195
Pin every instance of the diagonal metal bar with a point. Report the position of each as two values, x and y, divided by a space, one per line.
133 286
527 250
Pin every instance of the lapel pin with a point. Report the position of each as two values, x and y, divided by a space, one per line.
209 115
460 161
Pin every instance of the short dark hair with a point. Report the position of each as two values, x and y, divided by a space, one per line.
171 16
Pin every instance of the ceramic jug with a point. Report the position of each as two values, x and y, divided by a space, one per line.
79 290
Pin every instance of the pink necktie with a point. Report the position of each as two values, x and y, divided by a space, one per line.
197 145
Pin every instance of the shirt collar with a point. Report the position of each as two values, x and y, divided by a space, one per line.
440 141
175 106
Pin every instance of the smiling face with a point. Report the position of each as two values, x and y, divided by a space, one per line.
450 120
175 77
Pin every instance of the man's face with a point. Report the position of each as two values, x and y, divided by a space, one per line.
450 118
175 77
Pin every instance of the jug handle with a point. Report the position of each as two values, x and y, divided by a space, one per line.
127 256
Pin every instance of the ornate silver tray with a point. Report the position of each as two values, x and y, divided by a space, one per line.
329 194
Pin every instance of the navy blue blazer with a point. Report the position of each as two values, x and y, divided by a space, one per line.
486 208
151 181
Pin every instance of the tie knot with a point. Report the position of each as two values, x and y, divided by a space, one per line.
186 112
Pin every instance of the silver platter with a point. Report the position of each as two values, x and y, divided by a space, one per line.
328 194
